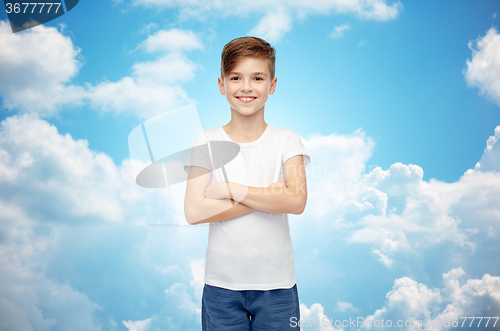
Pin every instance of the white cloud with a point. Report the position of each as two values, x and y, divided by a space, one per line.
278 15
146 28
342 307
483 71
384 258
474 200
36 172
379 10
69 218
314 318
197 281
413 302
178 313
395 211
173 40
168 69
338 31
333 175
385 233
130 96
366 9
14 318
36 67
137 325
272 27
408 300
477 297
490 161
28 299
421 214
154 85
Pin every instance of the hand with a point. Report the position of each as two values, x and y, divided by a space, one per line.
217 191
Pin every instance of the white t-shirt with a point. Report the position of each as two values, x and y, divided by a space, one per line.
253 251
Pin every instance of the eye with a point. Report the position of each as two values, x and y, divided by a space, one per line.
259 78
234 78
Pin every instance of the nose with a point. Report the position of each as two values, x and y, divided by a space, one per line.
247 86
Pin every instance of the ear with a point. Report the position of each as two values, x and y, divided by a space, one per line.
221 86
272 88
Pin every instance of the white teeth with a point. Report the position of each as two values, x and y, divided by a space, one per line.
246 99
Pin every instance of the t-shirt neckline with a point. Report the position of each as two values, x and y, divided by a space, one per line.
250 144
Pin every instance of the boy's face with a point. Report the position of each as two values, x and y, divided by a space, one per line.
248 85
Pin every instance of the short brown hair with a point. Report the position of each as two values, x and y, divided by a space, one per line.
242 47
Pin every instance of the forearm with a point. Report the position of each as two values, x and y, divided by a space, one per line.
284 200
212 210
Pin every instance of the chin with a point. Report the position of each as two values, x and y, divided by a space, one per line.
243 111
246 113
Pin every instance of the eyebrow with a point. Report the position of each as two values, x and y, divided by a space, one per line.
255 73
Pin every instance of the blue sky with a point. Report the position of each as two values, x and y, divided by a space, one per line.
401 97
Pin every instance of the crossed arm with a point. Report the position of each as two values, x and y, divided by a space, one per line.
216 203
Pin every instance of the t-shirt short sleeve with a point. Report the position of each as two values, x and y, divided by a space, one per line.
293 146
199 155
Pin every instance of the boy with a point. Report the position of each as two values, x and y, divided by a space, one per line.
249 266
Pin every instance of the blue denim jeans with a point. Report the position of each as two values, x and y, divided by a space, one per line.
228 310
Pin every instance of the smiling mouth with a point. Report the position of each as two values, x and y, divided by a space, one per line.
246 99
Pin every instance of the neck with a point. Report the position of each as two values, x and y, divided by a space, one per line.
246 126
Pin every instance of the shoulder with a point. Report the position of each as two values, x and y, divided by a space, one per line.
287 135
210 134
280 134
212 131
